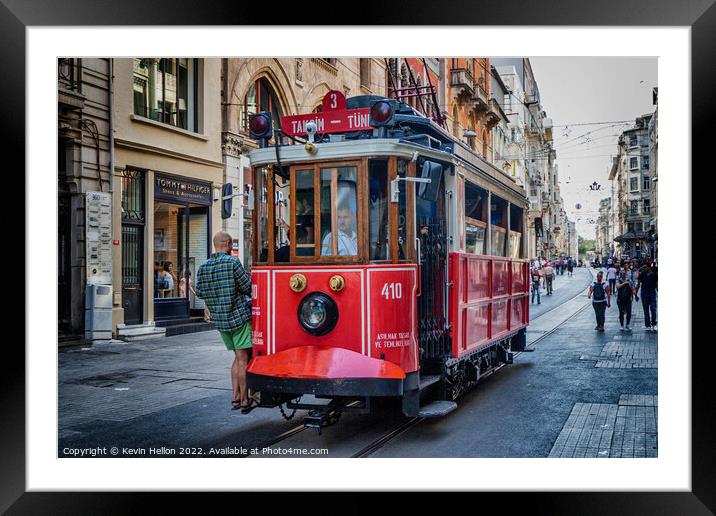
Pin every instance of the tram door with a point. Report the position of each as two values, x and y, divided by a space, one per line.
432 233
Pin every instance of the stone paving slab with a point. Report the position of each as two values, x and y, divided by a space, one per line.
118 381
624 430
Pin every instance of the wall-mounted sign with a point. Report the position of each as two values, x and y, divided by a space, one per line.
181 189
334 118
98 238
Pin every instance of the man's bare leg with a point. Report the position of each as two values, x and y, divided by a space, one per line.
235 386
242 360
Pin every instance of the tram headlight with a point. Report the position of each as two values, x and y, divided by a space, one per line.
317 313
382 113
260 126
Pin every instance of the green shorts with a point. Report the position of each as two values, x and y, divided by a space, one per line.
237 339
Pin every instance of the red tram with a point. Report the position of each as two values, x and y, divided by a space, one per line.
388 260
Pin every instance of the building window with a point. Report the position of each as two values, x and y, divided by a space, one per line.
633 163
647 206
633 183
630 227
632 140
261 97
165 90
365 72
637 226
634 208
646 183
645 162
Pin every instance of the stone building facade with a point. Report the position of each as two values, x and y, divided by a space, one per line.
84 142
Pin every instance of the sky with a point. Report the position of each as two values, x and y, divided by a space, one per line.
584 90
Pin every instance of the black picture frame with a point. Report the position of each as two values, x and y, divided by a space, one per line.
700 15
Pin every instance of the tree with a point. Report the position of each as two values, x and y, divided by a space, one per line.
584 245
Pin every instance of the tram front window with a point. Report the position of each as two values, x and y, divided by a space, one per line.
378 206
339 204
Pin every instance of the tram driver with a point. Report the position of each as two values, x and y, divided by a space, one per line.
347 244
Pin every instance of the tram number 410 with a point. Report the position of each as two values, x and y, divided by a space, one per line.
392 290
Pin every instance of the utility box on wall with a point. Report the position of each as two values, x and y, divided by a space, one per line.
98 260
98 312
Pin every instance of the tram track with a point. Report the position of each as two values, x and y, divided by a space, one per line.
404 426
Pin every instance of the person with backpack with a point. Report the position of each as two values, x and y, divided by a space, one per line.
548 277
625 292
535 277
600 295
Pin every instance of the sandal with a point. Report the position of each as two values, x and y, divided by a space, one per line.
235 404
245 409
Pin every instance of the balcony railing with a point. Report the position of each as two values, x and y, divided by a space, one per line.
493 117
68 74
461 79
481 102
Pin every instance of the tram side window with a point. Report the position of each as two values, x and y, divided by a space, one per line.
378 207
516 231
429 202
475 218
262 213
498 229
304 212
339 208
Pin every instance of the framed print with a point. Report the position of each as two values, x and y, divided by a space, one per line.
412 339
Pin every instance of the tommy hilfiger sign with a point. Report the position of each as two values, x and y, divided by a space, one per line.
180 189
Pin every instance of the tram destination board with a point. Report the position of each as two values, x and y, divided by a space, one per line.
334 118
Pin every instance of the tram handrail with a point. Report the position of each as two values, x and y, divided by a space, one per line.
420 284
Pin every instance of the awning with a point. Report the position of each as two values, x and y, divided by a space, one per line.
631 235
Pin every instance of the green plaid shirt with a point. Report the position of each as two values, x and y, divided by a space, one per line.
223 284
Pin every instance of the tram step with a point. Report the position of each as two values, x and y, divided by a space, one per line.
428 380
437 409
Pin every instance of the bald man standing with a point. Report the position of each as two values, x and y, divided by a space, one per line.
223 284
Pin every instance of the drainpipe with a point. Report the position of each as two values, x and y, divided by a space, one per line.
111 129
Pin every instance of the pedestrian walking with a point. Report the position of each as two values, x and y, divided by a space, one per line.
535 275
225 287
548 272
625 292
600 295
647 283
612 278
570 266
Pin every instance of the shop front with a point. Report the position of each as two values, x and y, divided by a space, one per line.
181 238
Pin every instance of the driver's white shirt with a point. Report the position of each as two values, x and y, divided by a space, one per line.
347 244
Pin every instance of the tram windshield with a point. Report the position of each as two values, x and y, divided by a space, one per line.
332 212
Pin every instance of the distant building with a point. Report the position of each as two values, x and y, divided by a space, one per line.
631 172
